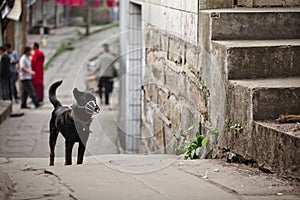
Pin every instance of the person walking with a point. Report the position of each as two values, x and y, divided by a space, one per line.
37 64
112 5
14 59
106 73
26 74
5 75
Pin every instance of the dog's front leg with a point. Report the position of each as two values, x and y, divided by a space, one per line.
81 150
52 140
68 154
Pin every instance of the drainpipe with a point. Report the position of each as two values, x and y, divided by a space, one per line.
198 23
123 6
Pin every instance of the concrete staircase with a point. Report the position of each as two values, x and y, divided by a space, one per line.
259 51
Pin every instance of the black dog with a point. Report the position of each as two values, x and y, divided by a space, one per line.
73 123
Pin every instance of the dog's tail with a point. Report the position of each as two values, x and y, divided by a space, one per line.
52 94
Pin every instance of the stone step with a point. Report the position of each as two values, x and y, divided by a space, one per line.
255 105
246 59
263 99
250 24
276 146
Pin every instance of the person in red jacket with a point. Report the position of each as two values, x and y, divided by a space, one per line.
37 63
112 5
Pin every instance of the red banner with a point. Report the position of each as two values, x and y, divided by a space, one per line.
78 3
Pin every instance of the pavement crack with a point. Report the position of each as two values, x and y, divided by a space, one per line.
30 169
222 187
59 180
41 196
51 173
70 195
150 187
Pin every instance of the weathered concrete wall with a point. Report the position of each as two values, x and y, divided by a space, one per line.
174 18
175 98
182 83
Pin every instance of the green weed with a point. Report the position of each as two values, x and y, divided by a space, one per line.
194 148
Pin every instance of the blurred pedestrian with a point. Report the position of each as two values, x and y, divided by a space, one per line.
106 72
5 75
37 63
26 74
112 4
14 75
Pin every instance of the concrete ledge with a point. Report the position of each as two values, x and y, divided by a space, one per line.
267 145
267 98
277 149
239 24
261 58
272 146
5 110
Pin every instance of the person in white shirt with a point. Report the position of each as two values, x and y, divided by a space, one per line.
26 74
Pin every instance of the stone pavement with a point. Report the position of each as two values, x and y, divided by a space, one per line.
143 177
25 174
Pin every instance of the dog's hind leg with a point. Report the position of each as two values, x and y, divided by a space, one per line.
68 154
52 141
80 154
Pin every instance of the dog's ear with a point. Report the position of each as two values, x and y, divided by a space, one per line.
76 92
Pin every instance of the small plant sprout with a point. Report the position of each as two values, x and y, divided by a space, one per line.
229 123
236 128
214 130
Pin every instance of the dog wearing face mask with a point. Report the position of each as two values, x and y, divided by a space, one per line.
73 123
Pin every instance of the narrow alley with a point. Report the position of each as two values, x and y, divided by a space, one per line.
204 102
